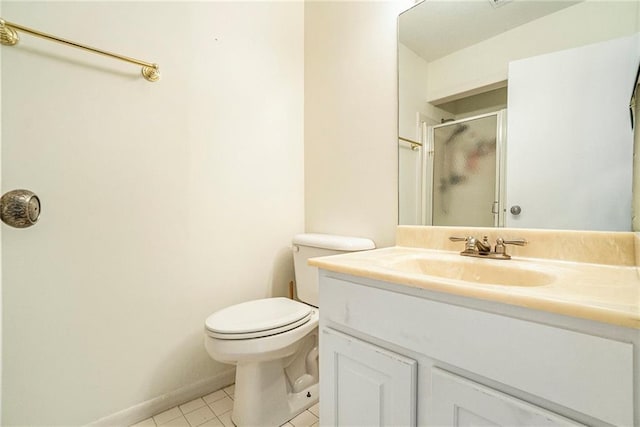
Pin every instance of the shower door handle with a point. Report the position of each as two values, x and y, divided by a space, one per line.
495 207
20 208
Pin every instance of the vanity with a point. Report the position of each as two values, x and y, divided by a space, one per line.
507 130
418 335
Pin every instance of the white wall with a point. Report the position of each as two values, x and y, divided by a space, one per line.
350 113
412 95
635 186
486 63
412 91
162 202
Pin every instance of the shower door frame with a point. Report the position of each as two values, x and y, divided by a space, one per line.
428 169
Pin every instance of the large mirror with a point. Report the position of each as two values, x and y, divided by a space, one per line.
516 113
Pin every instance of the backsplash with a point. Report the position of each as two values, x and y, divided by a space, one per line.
598 247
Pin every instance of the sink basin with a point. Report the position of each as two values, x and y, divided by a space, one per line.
484 271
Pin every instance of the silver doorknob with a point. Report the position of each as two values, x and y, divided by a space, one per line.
20 208
515 210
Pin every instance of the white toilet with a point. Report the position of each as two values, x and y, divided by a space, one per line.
274 342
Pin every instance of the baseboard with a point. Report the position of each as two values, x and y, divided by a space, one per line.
158 404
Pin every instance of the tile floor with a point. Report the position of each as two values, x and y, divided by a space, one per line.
214 410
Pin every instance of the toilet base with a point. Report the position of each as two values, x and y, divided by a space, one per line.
262 396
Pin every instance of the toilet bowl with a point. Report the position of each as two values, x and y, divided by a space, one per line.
270 386
274 342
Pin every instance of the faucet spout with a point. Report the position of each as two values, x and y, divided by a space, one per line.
482 248
484 245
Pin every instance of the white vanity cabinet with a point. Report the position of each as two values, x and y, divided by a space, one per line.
395 355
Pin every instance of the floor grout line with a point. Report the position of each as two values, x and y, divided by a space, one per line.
190 407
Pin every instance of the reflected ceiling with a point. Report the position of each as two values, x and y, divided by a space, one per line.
480 20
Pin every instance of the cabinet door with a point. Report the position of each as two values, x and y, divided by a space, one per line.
363 384
457 401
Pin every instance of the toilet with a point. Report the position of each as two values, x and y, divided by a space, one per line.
274 341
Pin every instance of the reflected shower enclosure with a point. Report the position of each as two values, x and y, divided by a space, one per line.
456 177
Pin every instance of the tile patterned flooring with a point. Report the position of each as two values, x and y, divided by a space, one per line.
214 410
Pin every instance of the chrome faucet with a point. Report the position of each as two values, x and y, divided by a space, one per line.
482 248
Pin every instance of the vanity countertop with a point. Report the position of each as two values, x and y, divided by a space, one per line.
582 285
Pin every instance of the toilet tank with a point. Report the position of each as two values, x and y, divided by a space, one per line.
307 246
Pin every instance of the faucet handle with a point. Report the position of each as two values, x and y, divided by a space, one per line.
500 245
459 239
517 242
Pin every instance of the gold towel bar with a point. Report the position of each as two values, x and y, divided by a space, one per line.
9 37
414 144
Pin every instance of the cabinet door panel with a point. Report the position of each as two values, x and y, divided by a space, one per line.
459 402
363 384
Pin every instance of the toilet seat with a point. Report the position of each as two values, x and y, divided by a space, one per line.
257 318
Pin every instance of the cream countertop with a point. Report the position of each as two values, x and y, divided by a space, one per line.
597 281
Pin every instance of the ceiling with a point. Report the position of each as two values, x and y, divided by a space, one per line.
435 28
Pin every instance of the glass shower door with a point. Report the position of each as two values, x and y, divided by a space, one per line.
465 185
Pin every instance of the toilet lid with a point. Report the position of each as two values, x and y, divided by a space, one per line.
257 318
